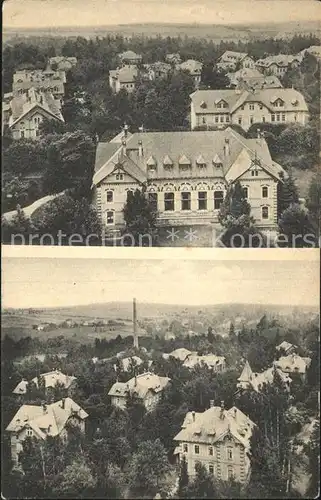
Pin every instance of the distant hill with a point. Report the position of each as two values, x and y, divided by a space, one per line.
215 32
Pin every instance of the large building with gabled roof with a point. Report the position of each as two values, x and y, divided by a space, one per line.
219 108
147 387
186 175
219 439
44 421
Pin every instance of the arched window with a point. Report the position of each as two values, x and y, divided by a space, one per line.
265 192
218 199
265 213
109 196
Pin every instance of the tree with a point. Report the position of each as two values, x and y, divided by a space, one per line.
51 127
232 331
148 467
202 485
313 202
213 78
210 335
140 218
19 226
183 478
287 193
70 160
235 218
77 219
313 452
295 226
76 481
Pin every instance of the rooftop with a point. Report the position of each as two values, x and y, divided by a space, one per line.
214 424
139 385
46 419
30 101
171 151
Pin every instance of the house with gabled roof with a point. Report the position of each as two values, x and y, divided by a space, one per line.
28 110
230 60
44 421
251 79
62 63
219 439
220 108
258 380
50 381
123 78
286 347
186 175
47 80
278 64
148 387
293 364
194 68
129 57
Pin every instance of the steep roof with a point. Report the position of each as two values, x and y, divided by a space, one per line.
212 425
293 363
257 379
46 420
192 66
180 353
126 362
205 101
139 385
31 101
55 377
285 346
279 60
210 360
129 54
167 147
246 375
232 56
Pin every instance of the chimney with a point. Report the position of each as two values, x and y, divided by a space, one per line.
222 410
44 408
140 148
235 413
258 131
227 147
135 324
125 130
123 149
193 416
63 401
211 403
135 380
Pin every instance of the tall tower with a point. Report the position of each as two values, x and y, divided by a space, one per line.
135 324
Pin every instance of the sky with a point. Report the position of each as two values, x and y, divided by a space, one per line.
58 282
53 13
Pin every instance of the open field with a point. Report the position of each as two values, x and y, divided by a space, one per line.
214 32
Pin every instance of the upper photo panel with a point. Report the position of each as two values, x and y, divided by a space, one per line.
161 123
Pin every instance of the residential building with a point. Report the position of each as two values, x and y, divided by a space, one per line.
174 58
314 50
43 421
219 439
215 363
252 79
186 175
129 57
194 68
256 381
62 63
293 364
123 78
51 380
46 80
130 362
220 108
157 70
28 110
278 64
231 61
181 354
286 347
148 387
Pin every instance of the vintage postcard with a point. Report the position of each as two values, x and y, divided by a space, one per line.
161 123
160 373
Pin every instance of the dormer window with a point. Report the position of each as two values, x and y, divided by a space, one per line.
151 163
279 103
184 162
203 105
200 162
294 102
167 162
217 162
